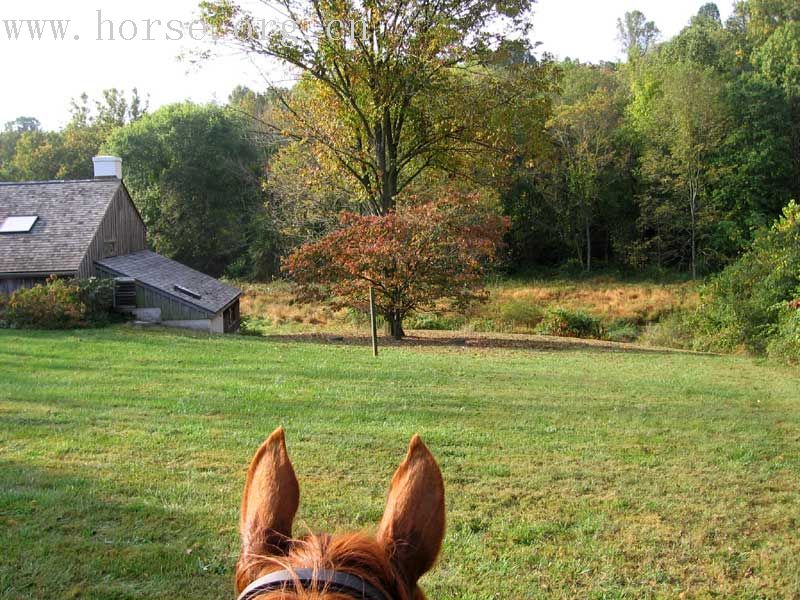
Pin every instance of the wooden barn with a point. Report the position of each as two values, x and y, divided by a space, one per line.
91 228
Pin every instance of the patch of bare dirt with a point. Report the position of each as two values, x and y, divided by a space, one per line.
462 340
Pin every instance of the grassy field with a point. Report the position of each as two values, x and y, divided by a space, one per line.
570 471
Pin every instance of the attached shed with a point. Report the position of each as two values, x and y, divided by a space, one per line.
174 294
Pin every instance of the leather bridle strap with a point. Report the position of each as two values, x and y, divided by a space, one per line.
317 579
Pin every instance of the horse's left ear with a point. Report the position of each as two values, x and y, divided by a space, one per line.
412 528
270 501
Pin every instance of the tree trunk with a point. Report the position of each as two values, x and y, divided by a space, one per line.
588 245
659 249
386 155
394 325
794 111
693 209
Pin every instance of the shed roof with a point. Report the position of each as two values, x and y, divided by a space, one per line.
168 276
69 213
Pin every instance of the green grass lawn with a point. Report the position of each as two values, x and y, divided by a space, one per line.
574 473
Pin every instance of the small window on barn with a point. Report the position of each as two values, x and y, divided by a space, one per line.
187 292
18 224
109 248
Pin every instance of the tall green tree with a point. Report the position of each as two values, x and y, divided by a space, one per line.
683 124
67 154
590 150
705 41
22 125
9 137
636 35
195 177
754 171
390 102
113 110
773 33
584 134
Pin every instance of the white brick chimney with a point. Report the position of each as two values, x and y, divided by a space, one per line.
107 166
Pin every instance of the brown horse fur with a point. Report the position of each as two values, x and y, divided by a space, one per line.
407 543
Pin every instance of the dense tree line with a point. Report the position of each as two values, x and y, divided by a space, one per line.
672 158
675 157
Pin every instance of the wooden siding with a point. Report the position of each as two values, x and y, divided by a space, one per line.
231 317
172 309
121 232
9 286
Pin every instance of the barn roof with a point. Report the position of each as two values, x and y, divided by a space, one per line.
69 213
174 279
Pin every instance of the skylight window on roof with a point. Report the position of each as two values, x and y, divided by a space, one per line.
188 292
18 224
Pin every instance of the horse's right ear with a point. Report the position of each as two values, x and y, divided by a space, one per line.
270 501
413 523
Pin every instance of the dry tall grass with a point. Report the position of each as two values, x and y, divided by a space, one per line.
274 303
513 305
603 297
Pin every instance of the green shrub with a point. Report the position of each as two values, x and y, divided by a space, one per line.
252 326
672 331
785 342
435 322
743 305
55 305
567 323
622 331
97 297
519 313
485 326
571 268
59 304
356 317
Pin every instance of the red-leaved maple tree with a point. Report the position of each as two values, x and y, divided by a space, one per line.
412 257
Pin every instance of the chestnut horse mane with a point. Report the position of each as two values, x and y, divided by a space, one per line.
352 553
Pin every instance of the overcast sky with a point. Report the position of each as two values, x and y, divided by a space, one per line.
40 77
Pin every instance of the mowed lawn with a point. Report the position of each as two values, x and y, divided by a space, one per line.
570 473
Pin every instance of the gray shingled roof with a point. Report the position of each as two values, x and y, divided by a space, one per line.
164 274
69 214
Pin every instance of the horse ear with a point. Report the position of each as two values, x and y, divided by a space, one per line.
412 528
270 501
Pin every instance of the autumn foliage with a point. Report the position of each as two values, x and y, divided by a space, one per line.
412 257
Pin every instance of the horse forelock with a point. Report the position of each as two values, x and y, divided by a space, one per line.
355 554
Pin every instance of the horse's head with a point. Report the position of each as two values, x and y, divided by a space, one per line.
273 565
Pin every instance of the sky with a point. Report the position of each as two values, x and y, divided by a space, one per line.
41 76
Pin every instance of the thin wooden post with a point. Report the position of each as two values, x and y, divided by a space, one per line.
372 323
